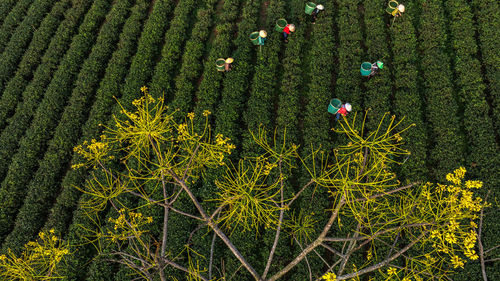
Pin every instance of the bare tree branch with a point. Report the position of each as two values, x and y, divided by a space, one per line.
349 250
214 226
383 263
212 247
278 230
314 244
386 193
298 193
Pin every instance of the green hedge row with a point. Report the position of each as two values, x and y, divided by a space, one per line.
43 188
62 212
488 27
190 71
377 90
229 110
12 20
347 87
470 87
143 63
5 7
446 144
168 67
18 43
407 101
479 129
290 107
30 60
264 84
208 93
33 144
35 86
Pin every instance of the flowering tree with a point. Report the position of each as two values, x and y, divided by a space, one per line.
38 261
403 232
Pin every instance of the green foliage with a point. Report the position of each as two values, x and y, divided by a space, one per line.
43 188
34 142
116 71
11 20
407 100
191 67
446 149
16 47
149 47
487 20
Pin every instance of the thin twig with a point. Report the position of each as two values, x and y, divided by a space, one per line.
383 263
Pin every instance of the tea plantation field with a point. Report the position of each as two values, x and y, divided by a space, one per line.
65 63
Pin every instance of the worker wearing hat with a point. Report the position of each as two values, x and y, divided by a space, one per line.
286 31
344 109
397 12
315 13
228 66
262 37
376 66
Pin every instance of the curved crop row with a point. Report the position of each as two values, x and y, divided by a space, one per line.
12 20
446 147
143 63
22 36
34 91
347 86
488 23
29 62
165 70
378 89
62 211
185 83
407 100
43 188
34 142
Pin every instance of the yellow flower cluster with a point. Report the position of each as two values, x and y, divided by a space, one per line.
126 227
37 262
457 262
329 277
457 176
391 271
94 152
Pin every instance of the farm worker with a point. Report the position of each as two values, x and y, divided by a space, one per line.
228 66
376 66
315 13
397 12
286 31
344 109
262 37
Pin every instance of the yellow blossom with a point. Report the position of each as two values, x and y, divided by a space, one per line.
190 115
391 271
329 276
457 262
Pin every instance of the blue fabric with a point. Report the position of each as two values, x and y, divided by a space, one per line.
285 35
